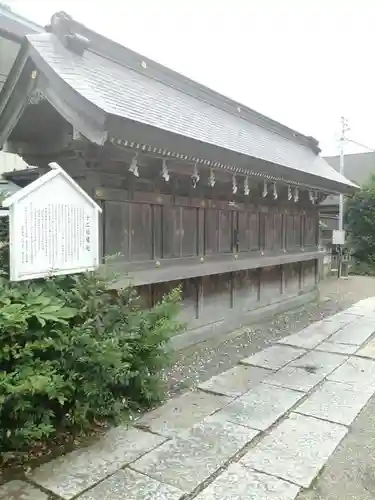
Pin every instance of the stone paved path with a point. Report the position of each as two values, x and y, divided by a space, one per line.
199 363
263 430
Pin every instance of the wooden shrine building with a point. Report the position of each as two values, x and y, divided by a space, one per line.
196 189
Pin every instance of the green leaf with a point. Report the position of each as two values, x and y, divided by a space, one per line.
68 312
41 320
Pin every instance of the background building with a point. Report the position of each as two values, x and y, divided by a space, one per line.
358 168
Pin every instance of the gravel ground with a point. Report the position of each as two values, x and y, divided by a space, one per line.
199 363
349 472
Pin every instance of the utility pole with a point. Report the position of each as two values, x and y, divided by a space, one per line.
344 129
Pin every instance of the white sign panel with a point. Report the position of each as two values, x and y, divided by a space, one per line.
54 228
338 237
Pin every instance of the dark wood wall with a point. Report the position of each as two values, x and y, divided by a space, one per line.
152 227
210 299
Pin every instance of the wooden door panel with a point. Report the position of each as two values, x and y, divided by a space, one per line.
172 231
189 233
269 230
243 229
225 231
116 229
278 231
211 231
141 240
254 230
310 231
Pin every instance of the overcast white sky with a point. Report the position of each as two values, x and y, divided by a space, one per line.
304 63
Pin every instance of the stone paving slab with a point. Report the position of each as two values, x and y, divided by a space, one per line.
306 372
337 321
358 373
304 340
182 412
335 402
318 332
240 483
356 333
336 348
319 362
294 378
19 490
274 357
261 407
296 449
130 485
71 474
368 351
235 381
365 307
196 454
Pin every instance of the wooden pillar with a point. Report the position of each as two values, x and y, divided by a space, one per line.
303 227
317 271
200 297
259 283
283 284
232 290
102 249
317 234
200 237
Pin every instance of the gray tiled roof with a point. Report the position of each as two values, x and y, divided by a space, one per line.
358 167
132 95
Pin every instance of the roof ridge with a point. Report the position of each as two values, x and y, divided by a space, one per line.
124 56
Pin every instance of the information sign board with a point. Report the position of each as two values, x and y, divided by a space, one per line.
53 228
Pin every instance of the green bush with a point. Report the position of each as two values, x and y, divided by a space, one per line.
360 225
363 268
73 352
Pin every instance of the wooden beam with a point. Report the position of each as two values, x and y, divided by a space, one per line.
150 272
